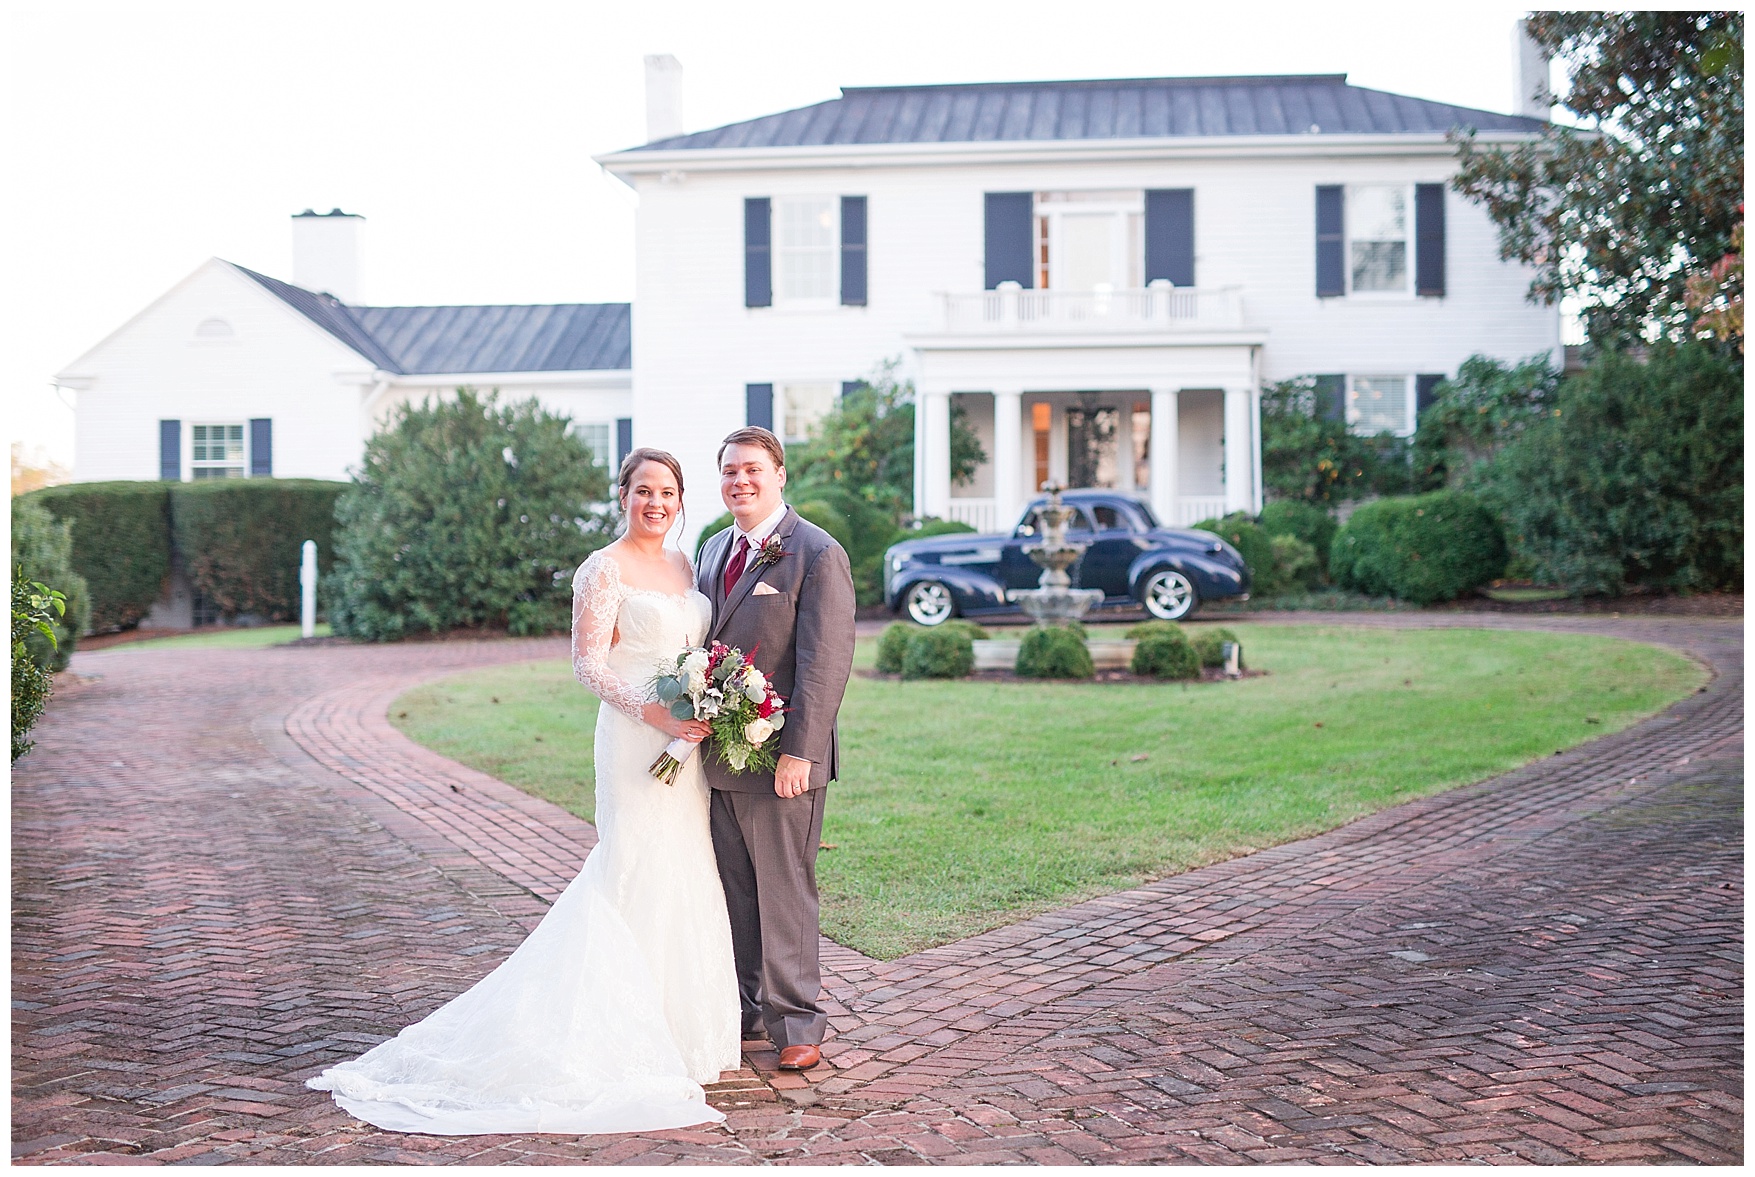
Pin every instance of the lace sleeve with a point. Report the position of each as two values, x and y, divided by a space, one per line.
597 598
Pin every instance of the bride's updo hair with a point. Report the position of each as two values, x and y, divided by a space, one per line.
638 457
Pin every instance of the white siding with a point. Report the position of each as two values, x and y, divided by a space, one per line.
696 345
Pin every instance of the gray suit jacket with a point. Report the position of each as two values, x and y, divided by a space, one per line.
800 636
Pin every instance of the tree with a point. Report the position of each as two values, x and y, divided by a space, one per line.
466 514
1313 457
1716 296
1619 215
1634 478
1476 413
865 446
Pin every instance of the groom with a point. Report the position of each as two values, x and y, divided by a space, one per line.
782 592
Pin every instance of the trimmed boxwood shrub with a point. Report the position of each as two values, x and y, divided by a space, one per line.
1054 651
42 552
942 652
466 514
975 632
1295 565
892 645
1252 543
1307 521
830 520
1165 655
1146 629
1421 548
1210 645
241 539
934 527
121 544
31 680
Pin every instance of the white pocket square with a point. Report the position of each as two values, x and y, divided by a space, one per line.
764 589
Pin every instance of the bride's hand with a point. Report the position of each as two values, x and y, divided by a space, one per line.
659 716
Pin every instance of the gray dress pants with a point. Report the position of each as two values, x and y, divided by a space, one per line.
767 851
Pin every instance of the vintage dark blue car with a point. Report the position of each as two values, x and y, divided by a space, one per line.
1168 570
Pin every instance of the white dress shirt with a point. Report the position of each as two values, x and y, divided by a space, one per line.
755 536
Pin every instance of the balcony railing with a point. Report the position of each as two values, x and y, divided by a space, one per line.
1159 307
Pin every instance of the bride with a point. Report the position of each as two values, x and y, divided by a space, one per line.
623 1001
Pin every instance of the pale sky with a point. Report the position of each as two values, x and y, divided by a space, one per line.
144 137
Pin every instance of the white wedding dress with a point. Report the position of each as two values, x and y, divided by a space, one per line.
623 1001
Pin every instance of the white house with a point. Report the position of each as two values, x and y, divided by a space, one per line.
235 374
1101 274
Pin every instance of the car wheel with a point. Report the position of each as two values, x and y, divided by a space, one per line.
929 603
1168 595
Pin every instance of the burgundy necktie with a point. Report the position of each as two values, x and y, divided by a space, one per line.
734 569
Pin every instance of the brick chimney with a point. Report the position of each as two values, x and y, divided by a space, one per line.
326 253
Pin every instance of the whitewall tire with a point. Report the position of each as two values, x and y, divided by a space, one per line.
929 603
1169 595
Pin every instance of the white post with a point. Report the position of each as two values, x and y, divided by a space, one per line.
935 454
1166 438
1008 455
1008 304
308 590
1239 444
1255 446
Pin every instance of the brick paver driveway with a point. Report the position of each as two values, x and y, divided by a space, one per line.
228 871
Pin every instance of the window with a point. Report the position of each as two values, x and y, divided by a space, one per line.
1041 421
1380 404
1377 238
214 329
1090 240
802 406
216 451
595 435
807 249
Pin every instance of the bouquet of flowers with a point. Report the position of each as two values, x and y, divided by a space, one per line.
722 686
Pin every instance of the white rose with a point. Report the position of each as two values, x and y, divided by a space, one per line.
697 683
755 687
757 730
695 663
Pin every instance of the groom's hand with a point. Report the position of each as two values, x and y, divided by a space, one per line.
791 776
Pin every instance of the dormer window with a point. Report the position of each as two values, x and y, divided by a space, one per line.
214 329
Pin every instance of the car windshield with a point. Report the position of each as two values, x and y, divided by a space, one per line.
1032 524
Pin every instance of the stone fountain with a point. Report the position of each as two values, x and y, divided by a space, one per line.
1054 600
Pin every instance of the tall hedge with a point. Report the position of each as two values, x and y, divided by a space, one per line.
466 514
121 544
241 539
42 549
1420 548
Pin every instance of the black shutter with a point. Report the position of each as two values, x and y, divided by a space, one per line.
170 450
1429 240
1331 398
1011 239
624 440
1331 269
1170 235
758 402
758 253
261 447
853 252
1425 392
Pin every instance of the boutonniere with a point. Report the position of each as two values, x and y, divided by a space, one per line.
768 553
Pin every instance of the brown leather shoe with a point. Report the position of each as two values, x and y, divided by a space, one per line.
800 1058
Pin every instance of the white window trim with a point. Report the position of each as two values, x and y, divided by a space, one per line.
606 459
1134 205
190 465
1404 295
1410 390
780 390
776 251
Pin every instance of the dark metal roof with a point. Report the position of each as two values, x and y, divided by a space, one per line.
1120 108
559 337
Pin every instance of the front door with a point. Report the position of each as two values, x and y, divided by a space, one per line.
1093 446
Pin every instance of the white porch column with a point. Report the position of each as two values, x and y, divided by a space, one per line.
1239 447
933 458
1166 439
1008 454
1255 447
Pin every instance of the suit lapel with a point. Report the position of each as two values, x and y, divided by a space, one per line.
747 582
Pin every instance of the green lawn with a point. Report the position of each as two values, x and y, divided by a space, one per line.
968 805
227 638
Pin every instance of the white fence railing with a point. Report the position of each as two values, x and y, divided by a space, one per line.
981 514
1160 307
1193 508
